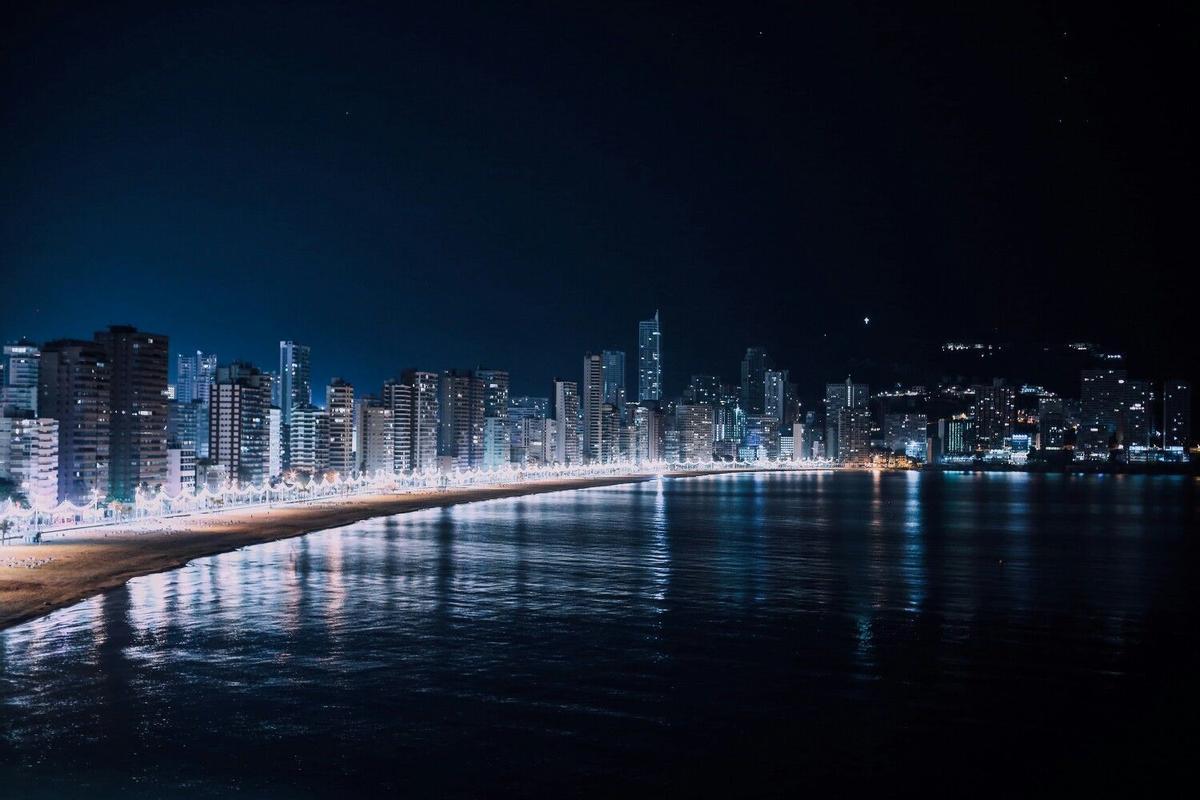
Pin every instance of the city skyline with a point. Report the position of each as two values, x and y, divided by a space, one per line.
498 171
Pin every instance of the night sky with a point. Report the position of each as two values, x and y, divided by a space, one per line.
514 184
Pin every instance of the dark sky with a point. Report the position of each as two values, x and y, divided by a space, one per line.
512 184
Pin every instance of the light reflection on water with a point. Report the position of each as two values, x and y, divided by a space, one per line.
641 636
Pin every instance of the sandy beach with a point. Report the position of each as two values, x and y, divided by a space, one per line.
64 569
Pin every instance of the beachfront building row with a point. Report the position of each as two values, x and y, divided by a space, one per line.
97 418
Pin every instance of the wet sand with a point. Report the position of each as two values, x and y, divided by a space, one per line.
64 569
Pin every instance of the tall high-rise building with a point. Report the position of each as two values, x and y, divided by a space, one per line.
649 360
1177 414
776 394
183 424
954 436
194 373
73 388
694 422
854 435
378 439
1101 403
295 377
460 432
426 415
29 457
398 399
527 443
239 422
592 399
19 387
339 405
648 432
567 449
992 410
494 384
497 442
1052 423
497 436
839 396
1137 411
138 365
614 378
308 443
755 365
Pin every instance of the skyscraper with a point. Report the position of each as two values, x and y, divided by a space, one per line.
183 423
497 436
648 434
460 431
649 360
992 412
1136 408
339 405
239 422
378 439
295 377
1101 403
527 423
854 435
566 415
138 401
695 425
193 375
308 442
1177 414
775 394
398 399
1052 423
755 364
426 414
73 388
614 378
839 396
593 398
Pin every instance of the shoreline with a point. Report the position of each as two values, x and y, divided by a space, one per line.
37 579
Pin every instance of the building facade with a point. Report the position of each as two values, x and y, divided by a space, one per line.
29 458
567 449
992 411
426 414
73 388
694 422
649 360
460 430
239 422
592 399
339 405
1177 414
295 377
19 382
138 363
839 396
